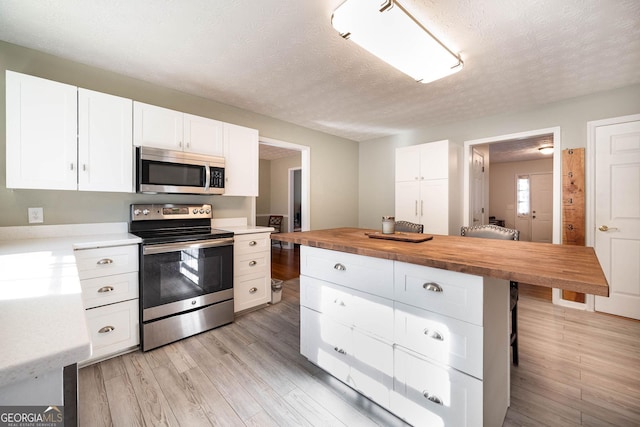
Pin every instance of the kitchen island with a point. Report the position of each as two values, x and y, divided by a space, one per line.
422 328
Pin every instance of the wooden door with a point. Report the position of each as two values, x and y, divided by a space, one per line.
617 216
542 207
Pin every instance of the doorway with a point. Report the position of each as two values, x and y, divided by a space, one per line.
277 149
519 143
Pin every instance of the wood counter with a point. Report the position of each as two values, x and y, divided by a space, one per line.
573 268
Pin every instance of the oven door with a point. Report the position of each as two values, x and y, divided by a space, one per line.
177 277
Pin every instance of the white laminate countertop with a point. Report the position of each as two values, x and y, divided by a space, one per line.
42 318
239 226
243 229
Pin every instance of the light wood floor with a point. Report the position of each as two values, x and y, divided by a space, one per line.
576 368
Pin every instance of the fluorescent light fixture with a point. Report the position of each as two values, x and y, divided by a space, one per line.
389 32
547 149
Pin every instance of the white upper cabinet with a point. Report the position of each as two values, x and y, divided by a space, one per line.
203 135
173 130
424 161
241 161
41 133
60 137
105 153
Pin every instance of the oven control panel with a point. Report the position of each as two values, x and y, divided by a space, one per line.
170 211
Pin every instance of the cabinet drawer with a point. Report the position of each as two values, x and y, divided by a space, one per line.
110 289
106 261
258 262
248 243
426 394
450 293
443 339
353 308
366 274
325 343
250 291
355 358
113 328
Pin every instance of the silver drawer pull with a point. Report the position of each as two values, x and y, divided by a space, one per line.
339 302
104 289
252 263
340 267
106 330
434 334
253 243
433 287
105 261
253 290
432 397
339 350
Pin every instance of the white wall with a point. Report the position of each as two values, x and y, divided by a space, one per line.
376 174
502 186
333 172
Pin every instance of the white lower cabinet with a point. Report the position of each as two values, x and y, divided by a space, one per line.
113 328
362 361
429 394
251 270
430 345
110 292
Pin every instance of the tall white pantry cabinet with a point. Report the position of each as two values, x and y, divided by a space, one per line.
427 186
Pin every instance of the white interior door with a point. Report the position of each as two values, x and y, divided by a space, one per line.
541 207
477 192
617 216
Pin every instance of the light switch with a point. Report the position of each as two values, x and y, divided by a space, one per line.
36 215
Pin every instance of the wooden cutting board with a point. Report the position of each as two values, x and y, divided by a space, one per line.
401 237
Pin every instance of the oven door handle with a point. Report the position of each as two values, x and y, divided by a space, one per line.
175 247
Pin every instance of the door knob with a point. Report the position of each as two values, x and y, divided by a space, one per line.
605 228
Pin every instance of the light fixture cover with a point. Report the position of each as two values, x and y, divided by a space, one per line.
391 34
547 149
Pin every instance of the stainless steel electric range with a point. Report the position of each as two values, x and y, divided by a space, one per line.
186 272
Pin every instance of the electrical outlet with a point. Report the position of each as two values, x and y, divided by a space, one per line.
36 215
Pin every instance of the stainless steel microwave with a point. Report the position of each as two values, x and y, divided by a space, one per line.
177 172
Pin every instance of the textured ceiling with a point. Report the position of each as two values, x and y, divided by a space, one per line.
281 58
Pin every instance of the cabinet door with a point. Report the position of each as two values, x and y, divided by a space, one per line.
105 149
434 206
434 160
408 201
157 127
241 161
203 135
41 133
408 163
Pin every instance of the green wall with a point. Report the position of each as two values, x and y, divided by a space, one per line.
329 208
377 157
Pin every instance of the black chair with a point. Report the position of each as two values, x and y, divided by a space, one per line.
497 232
408 227
275 221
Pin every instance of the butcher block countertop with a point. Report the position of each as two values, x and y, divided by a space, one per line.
573 268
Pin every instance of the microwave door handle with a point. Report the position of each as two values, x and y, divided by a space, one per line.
207 177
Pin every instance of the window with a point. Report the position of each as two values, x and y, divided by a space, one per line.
523 195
